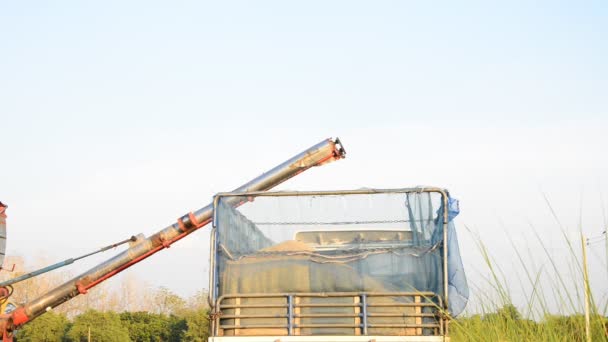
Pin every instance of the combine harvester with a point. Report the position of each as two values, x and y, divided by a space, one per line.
343 266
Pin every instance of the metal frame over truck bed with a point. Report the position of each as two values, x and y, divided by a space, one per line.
286 312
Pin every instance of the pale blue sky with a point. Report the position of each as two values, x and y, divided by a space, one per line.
117 117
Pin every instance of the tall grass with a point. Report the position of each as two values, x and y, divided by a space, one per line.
554 292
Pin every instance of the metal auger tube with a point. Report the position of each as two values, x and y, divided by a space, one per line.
321 153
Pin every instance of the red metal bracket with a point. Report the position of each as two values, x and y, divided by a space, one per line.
181 225
193 221
19 316
81 288
7 336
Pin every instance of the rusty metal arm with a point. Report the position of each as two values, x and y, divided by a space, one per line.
321 153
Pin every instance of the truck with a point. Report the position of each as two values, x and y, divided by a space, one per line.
355 265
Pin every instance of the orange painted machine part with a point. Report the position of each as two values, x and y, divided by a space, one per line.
19 316
9 322
193 220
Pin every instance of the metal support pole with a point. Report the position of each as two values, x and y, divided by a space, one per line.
446 221
290 315
364 310
63 263
2 233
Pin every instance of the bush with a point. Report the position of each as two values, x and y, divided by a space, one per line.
50 327
146 327
197 322
104 326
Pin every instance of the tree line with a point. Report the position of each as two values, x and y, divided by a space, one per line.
123 308
186 325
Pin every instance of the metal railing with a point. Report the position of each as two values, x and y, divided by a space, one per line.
337 313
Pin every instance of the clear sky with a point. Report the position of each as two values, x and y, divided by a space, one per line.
117 117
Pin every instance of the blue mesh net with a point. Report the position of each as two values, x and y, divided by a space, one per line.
378 242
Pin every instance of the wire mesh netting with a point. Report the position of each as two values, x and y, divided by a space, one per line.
376 242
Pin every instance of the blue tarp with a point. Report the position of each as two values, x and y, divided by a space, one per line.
420 211
458 289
